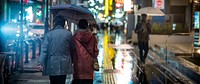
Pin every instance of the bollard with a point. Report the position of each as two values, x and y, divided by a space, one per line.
10 55
17 55
33 49
26 51
6 69
2 61
40 45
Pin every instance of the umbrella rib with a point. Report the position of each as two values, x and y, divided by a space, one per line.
73 13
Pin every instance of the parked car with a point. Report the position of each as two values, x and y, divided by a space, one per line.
36 29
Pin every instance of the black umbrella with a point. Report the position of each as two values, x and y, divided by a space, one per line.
73 13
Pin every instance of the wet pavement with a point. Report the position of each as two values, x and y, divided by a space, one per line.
122 68
120 73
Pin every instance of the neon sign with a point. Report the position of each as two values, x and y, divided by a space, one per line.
196 20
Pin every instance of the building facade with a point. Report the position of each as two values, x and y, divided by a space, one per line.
176 11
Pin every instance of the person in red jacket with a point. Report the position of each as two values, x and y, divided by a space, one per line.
85 52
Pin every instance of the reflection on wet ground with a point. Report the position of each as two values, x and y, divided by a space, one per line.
119 64
123 68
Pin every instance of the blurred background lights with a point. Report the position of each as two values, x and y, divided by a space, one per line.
29 16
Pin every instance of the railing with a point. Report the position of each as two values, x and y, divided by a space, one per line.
2 62
12 54
32 44
162 78
166 43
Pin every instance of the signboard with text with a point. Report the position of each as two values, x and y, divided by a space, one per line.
119 1
159 4
127 5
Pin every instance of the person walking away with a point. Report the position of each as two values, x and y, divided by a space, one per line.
143 29
55 58
85 52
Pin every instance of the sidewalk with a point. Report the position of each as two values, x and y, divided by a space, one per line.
123 70
31 75
106 75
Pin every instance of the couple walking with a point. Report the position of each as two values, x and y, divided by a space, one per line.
64 54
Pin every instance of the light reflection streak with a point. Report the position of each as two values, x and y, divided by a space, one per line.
125 65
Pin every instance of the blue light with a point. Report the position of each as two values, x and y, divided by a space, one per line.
9 30
17 35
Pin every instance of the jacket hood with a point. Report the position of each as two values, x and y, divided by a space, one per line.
83 35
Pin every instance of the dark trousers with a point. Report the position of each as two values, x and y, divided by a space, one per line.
57 79
143 50
82 81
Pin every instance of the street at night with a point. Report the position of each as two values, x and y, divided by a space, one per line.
134 42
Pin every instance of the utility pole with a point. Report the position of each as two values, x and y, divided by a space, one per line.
51 16
46 18
43 11
21 38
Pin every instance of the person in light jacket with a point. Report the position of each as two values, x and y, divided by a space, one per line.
55 58
85 52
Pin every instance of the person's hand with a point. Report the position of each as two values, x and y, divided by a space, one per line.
40 68
141 30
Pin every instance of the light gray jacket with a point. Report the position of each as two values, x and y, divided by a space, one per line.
55 54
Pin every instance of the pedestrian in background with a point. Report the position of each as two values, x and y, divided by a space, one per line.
55 58
93 29
84 54
143 29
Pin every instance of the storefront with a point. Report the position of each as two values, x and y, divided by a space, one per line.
33 11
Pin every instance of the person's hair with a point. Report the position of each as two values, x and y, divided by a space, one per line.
83 24
143 14
59 20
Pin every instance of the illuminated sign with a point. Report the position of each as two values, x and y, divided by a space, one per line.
106 10
119 1
159 4
127 5
196 20
108 7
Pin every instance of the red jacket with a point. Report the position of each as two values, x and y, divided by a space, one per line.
82 58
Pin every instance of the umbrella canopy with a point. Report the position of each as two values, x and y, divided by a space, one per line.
150 11
73 13
117 22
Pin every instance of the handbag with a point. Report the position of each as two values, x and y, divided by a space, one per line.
95 63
